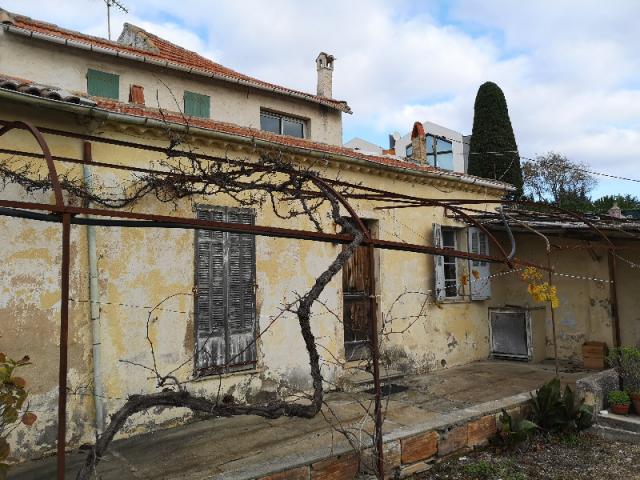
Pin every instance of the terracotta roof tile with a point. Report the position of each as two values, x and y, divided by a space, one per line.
234 129
164 51
8 83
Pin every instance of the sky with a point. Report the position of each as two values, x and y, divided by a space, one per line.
569 69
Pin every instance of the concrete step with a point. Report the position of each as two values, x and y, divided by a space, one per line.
358 380
629 423
616 434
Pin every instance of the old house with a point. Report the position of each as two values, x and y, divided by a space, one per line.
120 103
81 89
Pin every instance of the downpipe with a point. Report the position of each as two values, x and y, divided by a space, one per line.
94 304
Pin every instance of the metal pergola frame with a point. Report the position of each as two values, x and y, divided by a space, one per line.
67 215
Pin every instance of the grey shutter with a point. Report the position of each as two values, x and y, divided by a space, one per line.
225 299
480 287
210 293
240 291
438 263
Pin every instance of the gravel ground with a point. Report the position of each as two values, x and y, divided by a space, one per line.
575 457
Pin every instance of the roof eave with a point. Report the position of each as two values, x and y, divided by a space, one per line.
108 115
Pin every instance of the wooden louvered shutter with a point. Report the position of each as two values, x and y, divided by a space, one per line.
225 299
103 84
210 288
480 271
240 291
197 105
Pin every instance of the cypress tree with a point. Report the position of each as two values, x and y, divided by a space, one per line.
492 132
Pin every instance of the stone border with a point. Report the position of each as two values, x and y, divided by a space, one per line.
595 388
407 450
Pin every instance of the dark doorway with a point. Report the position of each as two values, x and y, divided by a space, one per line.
358 283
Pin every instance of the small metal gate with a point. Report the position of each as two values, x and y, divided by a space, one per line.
510 333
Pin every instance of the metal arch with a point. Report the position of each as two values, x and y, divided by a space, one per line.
53 174
64 288
323 185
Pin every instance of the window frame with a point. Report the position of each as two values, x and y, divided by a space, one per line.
433 154
447 260
281 117
477 286
408 151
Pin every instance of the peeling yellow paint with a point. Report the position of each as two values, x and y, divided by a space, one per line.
140 267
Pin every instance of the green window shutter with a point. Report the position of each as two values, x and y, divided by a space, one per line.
196 104
102 84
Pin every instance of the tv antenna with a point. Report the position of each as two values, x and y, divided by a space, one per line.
118 5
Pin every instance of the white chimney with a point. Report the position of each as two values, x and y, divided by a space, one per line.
324 65
615 211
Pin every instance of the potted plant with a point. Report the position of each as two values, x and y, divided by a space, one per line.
626 360
619 402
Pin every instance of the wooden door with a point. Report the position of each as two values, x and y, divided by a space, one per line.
357 286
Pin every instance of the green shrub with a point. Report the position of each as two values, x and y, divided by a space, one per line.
626 360
554 411
513 431
618 397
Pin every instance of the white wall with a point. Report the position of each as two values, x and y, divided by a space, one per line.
456 139
66 67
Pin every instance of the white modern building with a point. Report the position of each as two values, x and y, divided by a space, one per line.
443 148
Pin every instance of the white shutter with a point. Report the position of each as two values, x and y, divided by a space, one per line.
479 271
438 264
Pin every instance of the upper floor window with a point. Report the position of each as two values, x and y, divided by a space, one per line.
103 84
439 152
196 104
282 125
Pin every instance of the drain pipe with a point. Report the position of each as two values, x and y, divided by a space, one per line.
94 299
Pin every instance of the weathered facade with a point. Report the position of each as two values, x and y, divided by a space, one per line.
219 292
584 279
138 268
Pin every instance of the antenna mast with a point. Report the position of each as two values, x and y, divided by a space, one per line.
118 5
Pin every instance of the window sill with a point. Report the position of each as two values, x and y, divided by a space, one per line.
451 300
284 135
356 364
217 376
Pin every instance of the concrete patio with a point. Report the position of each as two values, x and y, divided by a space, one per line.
253 447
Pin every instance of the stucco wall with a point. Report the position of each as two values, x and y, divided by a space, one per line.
628 299
584 313
139 267
66 68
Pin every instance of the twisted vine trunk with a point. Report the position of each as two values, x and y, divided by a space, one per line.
203 405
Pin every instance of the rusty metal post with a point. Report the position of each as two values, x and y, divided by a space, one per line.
64 334
375 359
553 315
613 293
373 314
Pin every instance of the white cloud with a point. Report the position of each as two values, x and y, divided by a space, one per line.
569 70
